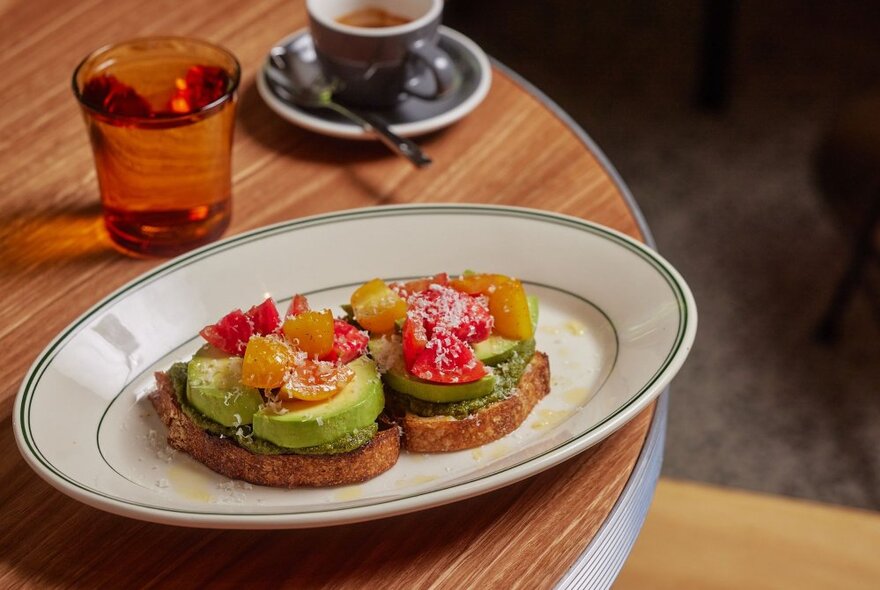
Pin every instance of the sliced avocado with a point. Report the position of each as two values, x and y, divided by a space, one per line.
243 435
213 387
348 309
533 310
507 376
438 392
309 424
496 349
211 352
399 379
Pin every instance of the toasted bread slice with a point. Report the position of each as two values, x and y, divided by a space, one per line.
289 471
445 433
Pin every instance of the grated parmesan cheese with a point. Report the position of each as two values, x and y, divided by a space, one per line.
232 492
160 446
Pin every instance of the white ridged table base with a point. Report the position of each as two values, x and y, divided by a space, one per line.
602 560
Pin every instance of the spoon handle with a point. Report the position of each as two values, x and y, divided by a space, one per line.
401 145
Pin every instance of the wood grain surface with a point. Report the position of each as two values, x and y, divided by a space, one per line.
55 261
702 536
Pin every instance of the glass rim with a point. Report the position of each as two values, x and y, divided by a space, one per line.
235 79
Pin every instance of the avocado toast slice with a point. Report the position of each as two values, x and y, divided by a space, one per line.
463 370
286 404
224 455
521 381
445 432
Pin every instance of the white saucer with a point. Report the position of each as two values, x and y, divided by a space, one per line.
411 117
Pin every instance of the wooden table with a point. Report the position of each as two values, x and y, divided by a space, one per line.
55 262
702 536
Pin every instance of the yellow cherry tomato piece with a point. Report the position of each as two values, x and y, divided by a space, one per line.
311 380
507 302
265 362
478 283
310 331
376 307
510 308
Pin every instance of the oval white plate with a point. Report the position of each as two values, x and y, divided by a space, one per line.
616 319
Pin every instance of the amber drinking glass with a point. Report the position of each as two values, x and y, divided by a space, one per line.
160 114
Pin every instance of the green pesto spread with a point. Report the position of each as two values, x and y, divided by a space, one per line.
507 376
243 435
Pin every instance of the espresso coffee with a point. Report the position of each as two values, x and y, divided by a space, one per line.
372 18
378 52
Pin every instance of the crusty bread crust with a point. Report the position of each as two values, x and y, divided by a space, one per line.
443 433
290 471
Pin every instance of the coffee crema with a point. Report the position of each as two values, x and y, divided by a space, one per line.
373 18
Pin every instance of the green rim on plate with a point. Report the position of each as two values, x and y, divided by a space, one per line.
31 450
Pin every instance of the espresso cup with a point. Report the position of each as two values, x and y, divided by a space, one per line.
376 52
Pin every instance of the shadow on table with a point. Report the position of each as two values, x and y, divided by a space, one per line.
35 237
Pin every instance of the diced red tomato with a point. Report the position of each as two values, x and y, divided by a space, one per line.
264 318
414 340
348 343
448 310
447 359
230 334
298 304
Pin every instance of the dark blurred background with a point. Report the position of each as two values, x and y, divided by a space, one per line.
749 134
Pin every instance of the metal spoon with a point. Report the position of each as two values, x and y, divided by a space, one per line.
297 78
